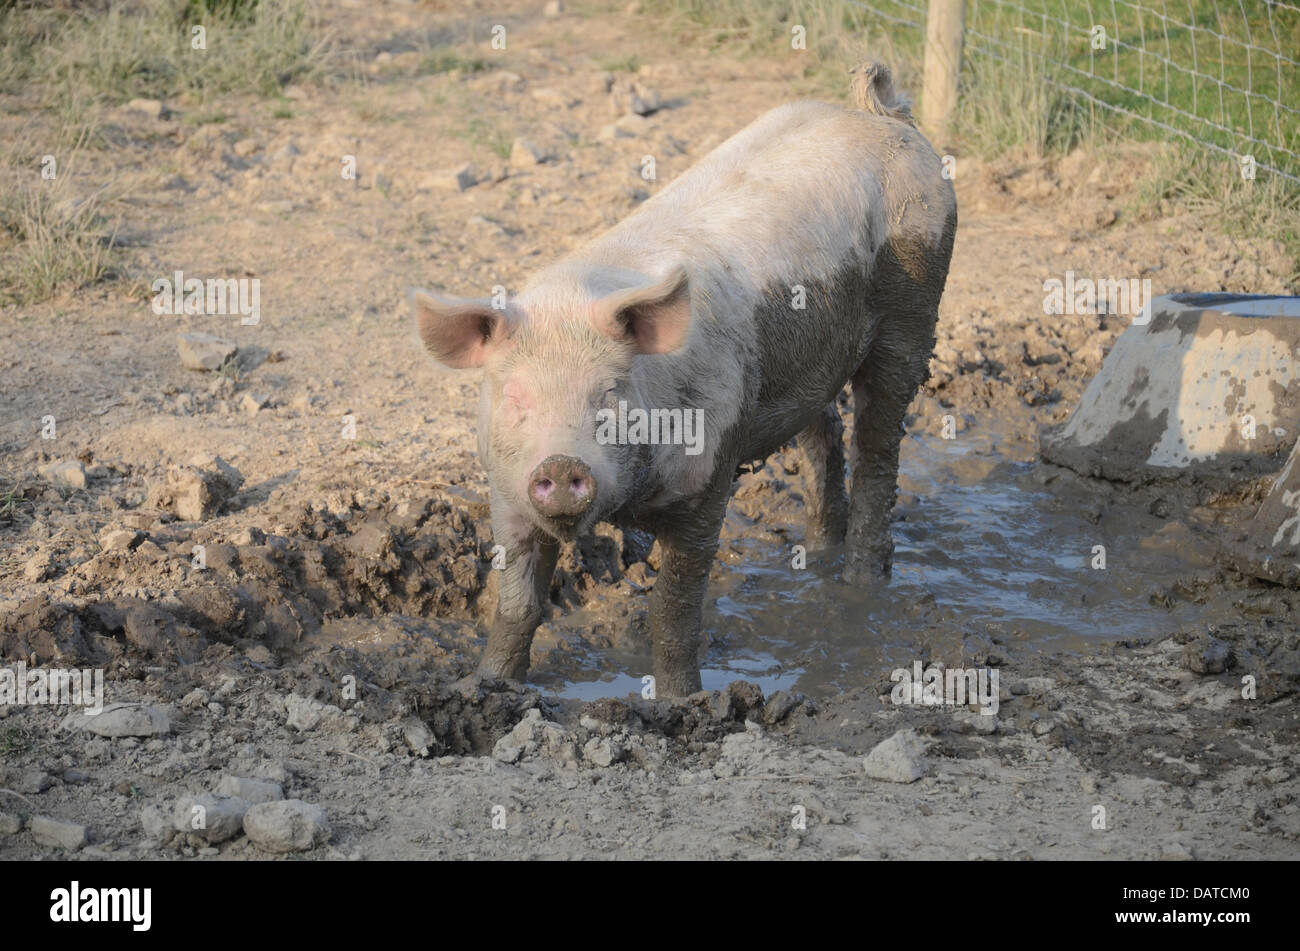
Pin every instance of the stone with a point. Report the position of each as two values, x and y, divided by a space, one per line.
453 179
523 154
534 736
419 738
553 8
34 782
290 825
200 351
56 833
1207 655
245 147
198 489
602 752
1205 387
899 759
9 825
255 791
152 108
67 474
306 713
120 720
120 539
212 818
252 403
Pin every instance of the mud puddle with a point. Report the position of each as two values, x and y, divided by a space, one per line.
989 549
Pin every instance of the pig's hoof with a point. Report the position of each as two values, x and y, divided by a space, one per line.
863 572
681 684
503 668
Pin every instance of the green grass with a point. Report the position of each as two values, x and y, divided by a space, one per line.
55 236
146 50
623 64
443 59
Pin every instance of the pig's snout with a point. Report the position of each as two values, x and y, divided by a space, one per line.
562 487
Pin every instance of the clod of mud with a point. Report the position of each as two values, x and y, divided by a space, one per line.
196 491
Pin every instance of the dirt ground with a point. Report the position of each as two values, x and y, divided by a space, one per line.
362 562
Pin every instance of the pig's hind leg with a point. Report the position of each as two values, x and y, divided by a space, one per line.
883 387
827 504
903 296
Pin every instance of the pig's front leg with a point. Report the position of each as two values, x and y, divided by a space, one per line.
523 588
687 547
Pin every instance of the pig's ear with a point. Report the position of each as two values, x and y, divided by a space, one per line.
459 333
654 318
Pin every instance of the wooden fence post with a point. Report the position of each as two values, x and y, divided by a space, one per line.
944 24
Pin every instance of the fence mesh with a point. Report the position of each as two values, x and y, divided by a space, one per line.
1223 74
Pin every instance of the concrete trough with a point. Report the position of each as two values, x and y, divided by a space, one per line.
1206 387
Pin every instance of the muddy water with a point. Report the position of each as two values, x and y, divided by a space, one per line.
985 545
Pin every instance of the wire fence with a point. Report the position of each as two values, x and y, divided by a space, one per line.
1224 75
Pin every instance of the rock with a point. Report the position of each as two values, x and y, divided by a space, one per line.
779 706
553 8
255 791
200 351
121 719
453 179
419 738
1278 774
9 825
523 154
612 131
155 822
602 752
252 404
33 782
245 147
38 567
633 124
290 825
198 697
197 490
630 97
68 474
899 759
1207 655
549 96
212 818
120 539
150 107
56 833
75 777
533 735
306 713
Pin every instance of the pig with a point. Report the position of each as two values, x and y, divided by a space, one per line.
808 251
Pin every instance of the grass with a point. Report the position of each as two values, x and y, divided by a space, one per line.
482 133
620 64
148 50
53 239
443 59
